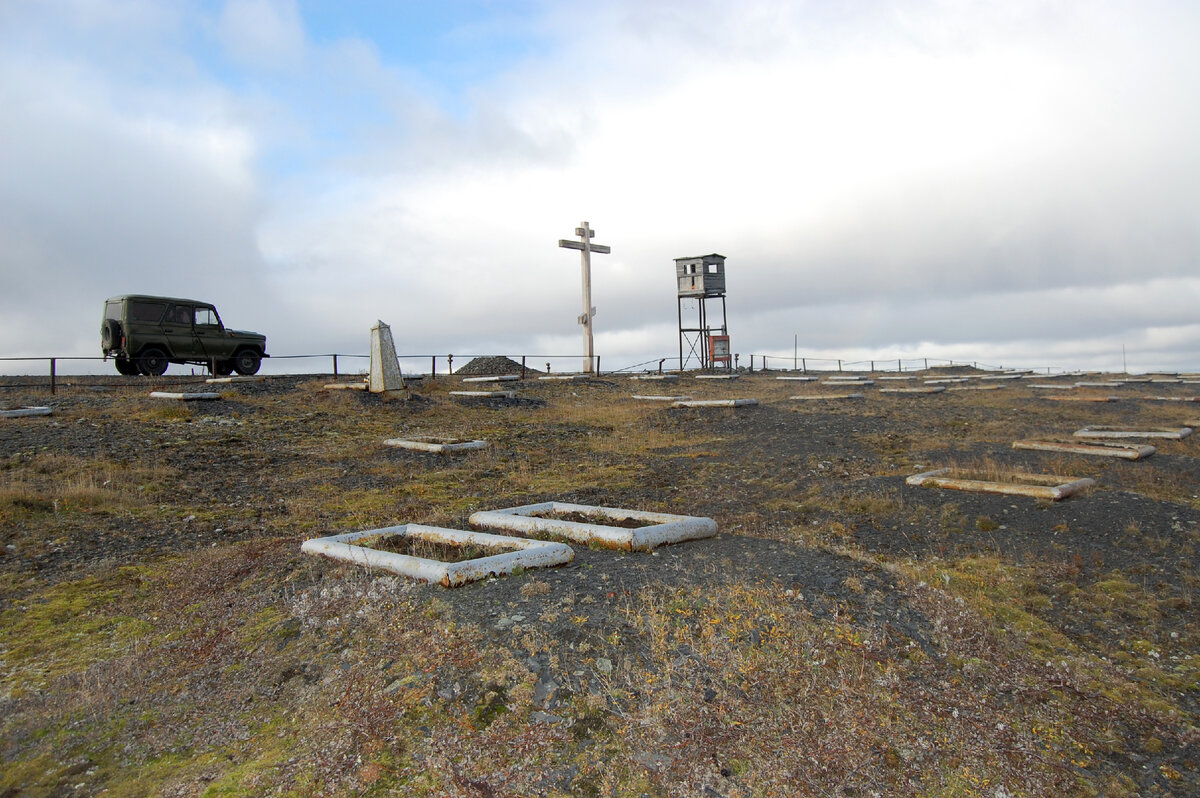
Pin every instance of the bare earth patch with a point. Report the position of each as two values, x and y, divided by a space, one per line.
845 633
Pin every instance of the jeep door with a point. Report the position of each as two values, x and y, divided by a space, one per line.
210 335
177 329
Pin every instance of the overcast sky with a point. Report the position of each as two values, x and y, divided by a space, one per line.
1014 183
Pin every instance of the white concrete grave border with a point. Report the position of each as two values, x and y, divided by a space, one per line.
1123 451
485 394
654 377
717 376
1039 486
346 386
798 379
1065 398
525 553
926 390
662 528
827 396
206 396
427 443
494 378
1119 432
715 403
240 378
22 412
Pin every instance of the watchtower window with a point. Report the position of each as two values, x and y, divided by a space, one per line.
691 269
712 268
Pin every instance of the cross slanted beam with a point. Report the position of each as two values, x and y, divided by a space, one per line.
586 248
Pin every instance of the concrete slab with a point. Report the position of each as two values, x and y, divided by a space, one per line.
239 378
558 518
827 396
1123 451
206 396
927 390
947 380
898 378
715 403
848 382
22 412
654 377
1002 377
652 398
717 376
1169 433
1104 384
486 394
1040 486
356 548
494 378
1172 398
345 386
565 377
798 379
436 445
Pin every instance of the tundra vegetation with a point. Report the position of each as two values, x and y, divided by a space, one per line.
845 634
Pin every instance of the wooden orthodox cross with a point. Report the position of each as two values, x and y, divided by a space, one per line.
586 247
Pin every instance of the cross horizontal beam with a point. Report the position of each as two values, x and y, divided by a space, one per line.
600 248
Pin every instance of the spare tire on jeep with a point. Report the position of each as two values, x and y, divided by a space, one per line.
110 334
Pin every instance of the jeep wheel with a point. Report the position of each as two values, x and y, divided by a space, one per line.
223 368
152 362
246 362
126 367
110 335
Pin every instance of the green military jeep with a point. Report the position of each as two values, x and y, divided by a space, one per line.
145 333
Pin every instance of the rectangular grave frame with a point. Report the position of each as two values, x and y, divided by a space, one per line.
1038 486
827 396
663 528
25 412
431 443
494 378
1169 433
715 403
204 396
1123 451
717 376
485 394
346 386
526 554
238 378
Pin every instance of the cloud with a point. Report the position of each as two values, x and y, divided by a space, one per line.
882 178
262 33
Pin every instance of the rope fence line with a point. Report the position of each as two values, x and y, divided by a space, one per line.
757 362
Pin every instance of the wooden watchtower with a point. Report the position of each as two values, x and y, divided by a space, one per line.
702 278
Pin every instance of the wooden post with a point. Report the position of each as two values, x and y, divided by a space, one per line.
586 248
450 364
433 367
804 365
522 367
53 386
335 366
